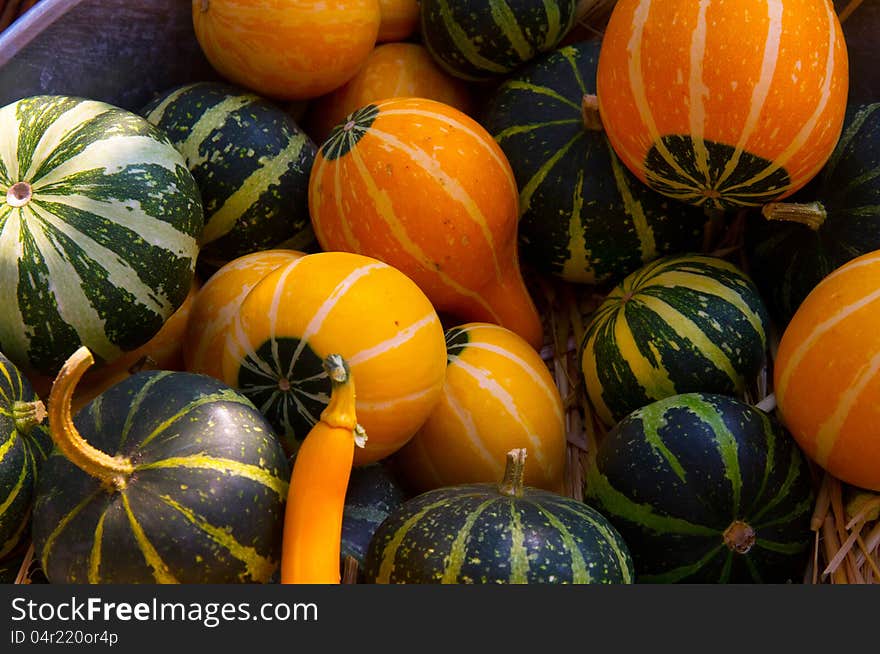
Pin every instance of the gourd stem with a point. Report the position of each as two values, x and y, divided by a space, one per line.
811 214
28 415
739 536
512 484
590 113
114 471
205 5
340 411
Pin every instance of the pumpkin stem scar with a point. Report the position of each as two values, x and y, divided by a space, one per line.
113 471
512 484
19 194
739 537
811 214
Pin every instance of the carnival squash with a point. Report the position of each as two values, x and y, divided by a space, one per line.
168 477
498 395
497 533
316 499
583 216
681 324
485 39
366 311
793 245
216 304
391 70
705 488
251 162
399 19
24 445
99 221
723 104
284 49
421 186
826 375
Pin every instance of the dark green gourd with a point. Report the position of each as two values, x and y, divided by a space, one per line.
167 477
583 216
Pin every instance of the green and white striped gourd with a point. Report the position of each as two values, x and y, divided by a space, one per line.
484 39
24 445
583 216
99 221
503 533
167 477
681 324
705 488
251 162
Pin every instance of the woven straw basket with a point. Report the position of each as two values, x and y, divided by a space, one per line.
846 544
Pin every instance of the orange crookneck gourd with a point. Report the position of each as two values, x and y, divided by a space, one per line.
311 544
423 187
723 104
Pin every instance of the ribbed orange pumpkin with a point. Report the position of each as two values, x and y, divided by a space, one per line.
391 70
369 313
827 373
498 395
420 185
217 302
723 104
399 19
287 49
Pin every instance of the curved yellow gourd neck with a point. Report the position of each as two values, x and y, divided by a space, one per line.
113 471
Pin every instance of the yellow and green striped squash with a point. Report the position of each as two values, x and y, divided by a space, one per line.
204 503
24 445
99 221
497 533
349 304
690 323
705 488
484 39
251 162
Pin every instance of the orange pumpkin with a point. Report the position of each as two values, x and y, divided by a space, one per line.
723 104
399 19
391 70
498 395
827 373
420 185
369 313
217 302
286 49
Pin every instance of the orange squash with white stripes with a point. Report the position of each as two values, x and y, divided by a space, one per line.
420 185
287 50
723 104
215 305
827 373
498 395
366 311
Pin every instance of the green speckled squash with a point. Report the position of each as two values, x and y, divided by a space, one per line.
681 324
705 489
484 39
24 445
167 477
99 220
583 216
793 245
251 162
497 534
